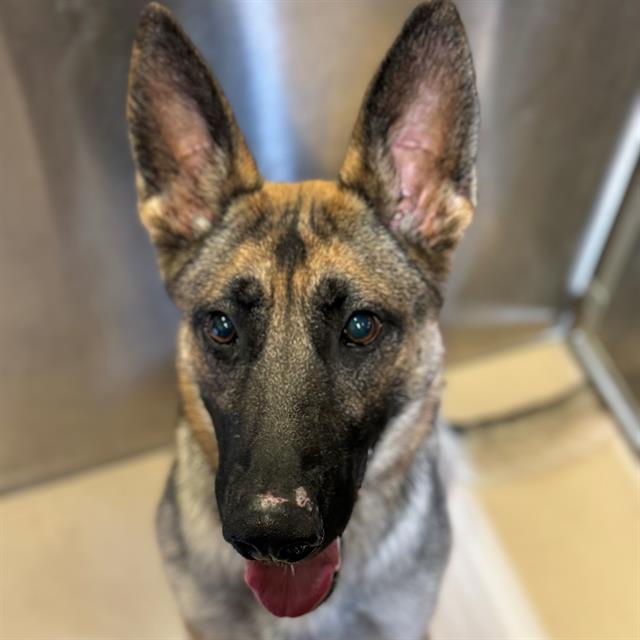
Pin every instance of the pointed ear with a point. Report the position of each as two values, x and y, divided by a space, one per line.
190 156
413 150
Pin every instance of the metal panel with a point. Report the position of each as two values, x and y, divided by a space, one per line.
87 333
621 324
607 332
86 369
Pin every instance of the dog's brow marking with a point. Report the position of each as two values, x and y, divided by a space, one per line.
302 499
269 500
290 250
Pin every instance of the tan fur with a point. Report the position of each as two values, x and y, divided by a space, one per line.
256 258
195 412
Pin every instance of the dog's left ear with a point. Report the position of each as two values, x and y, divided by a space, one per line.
412 153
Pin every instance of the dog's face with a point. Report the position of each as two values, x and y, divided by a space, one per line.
309 310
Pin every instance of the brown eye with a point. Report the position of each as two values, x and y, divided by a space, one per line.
221 329
362 329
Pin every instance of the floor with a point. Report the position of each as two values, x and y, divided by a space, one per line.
544 495
558 490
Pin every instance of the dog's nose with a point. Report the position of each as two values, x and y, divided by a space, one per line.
271 527
282 550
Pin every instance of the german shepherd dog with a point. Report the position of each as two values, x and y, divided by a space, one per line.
309 353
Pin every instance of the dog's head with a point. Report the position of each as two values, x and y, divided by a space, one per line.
309 310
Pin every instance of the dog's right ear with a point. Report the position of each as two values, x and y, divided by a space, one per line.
190 156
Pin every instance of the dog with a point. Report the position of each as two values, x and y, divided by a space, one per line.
305 500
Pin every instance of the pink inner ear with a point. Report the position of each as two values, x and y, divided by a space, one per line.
183 129
415 169
417 144
187 139
419 185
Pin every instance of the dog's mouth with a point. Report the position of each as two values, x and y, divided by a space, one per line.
291 590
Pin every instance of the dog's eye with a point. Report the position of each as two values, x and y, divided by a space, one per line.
362 329
221 329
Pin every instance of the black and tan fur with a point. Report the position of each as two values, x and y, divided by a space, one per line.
289 404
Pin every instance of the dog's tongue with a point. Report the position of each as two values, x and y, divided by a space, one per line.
293 590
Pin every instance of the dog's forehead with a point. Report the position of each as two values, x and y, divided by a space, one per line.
289 238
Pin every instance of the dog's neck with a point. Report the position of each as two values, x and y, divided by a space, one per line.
194 412
400 442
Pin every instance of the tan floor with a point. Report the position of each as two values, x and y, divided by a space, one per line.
78 559
560 489
546 512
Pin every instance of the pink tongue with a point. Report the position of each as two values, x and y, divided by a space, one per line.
296 589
